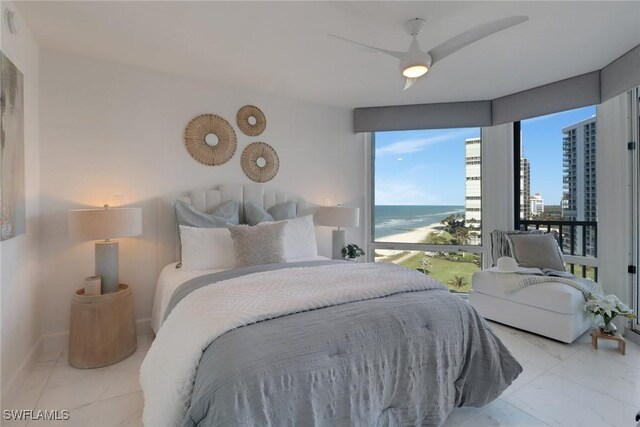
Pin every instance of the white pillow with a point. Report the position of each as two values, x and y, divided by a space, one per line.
300 239
206 248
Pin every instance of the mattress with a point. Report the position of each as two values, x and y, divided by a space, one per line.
171 278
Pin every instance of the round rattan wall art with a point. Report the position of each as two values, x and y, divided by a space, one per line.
210 139
260 162
251 120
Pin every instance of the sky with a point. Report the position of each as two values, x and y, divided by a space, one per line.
427 167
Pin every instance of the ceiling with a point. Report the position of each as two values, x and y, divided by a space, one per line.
284 47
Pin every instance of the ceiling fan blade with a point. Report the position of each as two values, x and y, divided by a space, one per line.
473 35
399 55
409 83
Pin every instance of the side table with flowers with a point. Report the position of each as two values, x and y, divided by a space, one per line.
608 308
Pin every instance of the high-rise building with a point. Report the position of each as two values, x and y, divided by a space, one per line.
473 189
525 188
536 203
579 180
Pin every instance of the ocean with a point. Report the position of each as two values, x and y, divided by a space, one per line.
400 219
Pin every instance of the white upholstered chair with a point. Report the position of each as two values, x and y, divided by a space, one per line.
551 309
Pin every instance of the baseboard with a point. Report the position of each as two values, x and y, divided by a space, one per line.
12 387
55 344
632 336
143 326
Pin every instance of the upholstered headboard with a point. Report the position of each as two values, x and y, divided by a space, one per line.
206 200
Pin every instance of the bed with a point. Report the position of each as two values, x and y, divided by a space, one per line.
316 342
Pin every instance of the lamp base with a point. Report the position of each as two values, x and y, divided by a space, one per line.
339 242
107 266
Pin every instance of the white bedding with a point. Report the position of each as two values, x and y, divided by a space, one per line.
168 281
171 278
168 371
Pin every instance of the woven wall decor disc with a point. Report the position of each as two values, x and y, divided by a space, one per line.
243 116
197 139
260 162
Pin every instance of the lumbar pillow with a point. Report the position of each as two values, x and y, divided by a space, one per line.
226 213
300 238
259 244
536 250
254 214
206 248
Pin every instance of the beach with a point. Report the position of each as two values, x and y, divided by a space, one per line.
417 235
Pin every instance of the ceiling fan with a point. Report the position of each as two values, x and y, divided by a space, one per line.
416 62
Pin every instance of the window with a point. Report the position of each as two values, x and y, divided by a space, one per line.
427 202
557 181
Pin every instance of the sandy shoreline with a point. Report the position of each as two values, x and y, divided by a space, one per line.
417 235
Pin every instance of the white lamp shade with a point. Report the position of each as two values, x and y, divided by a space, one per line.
338 216
108 223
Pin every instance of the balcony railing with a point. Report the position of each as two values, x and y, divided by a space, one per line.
578 241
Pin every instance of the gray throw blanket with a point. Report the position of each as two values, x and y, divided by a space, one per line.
515 281
404 359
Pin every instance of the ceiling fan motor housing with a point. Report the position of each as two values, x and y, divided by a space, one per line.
414 26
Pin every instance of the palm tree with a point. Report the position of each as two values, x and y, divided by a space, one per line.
425 265
436 238
457 282
462 233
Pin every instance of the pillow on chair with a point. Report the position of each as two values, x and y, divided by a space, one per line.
500 244
536 251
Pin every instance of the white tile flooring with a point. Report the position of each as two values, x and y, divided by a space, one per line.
562 385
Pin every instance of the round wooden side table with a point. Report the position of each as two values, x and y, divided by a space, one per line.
103 329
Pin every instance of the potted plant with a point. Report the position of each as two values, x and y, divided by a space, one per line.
352 252
609 307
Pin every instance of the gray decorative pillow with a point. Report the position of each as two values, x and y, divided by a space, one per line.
226 213
254 214
282 211
500 243
259 244
536 250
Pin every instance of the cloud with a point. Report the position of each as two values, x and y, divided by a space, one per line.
417 144
402 193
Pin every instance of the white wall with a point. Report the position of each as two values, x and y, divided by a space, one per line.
110 129
19 268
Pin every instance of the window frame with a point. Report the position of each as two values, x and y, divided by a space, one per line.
572 259
424 247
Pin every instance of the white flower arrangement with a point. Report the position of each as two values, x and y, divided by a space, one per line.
609 307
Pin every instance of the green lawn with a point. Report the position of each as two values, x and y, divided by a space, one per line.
443 270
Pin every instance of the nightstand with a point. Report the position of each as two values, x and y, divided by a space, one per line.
102 328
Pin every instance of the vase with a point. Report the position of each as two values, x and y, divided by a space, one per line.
608 328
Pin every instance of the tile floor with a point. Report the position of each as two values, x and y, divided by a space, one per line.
562 385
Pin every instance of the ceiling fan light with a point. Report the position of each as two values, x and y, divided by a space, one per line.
415 71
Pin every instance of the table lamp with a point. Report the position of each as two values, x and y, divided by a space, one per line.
338 216
105 224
